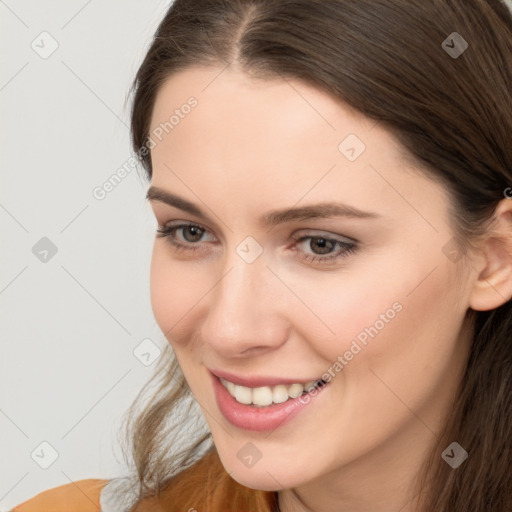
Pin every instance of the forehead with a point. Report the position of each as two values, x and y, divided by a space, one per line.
230 102
276 140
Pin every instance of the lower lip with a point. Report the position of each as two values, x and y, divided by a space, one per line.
260 419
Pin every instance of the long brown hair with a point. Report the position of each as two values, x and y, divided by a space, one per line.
453 115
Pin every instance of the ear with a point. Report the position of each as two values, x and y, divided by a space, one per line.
493 287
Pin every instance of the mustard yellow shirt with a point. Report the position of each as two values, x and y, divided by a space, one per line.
79 496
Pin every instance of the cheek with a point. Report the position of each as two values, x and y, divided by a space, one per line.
413 358
398 323
173 291
348 310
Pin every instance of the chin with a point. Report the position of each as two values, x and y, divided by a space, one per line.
269 476
261 481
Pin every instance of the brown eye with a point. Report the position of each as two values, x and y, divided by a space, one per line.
321 245
190 238
320 249
192 233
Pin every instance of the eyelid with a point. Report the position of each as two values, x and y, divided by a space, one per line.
316 233
164 210
296 236
177 224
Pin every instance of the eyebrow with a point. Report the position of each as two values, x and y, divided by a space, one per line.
272 218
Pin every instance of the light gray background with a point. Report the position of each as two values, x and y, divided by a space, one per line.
70 324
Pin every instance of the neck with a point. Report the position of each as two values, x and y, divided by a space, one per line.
383 480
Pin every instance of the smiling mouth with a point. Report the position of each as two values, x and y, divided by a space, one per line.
268 395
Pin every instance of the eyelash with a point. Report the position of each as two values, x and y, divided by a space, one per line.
169 233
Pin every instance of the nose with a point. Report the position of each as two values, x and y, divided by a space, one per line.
245 314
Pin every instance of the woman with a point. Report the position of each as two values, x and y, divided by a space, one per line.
333 261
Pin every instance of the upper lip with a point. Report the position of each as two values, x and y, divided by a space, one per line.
257 381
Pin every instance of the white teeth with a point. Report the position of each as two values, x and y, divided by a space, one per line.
230 386
295 390
243 395
280 394
310 385
262 396
266 395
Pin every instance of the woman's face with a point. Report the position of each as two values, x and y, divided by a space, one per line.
272 290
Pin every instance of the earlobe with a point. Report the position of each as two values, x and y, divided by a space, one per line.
493 286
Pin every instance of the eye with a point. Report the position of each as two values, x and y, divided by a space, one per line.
324 249
190 235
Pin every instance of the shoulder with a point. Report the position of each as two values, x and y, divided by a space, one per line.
79 496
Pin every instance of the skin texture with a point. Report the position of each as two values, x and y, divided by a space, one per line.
251 146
